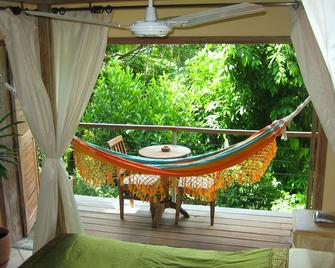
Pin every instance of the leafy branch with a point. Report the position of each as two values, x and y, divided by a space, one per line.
7 155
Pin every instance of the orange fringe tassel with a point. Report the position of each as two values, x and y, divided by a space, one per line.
154 187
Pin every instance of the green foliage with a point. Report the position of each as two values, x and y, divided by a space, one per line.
216 86
259 195
288 202
69 161
123 96
80 187
7 154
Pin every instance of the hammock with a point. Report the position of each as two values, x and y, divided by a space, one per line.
244 162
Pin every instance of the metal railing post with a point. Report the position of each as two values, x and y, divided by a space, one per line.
174 142
242 132
174 137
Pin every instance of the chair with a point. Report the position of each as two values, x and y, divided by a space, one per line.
117 144
200 184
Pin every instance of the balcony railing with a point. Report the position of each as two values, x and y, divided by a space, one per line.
284 150
176 129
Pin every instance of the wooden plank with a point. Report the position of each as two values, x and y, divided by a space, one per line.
196 223
201 223
19 128
204 221
31 208
29 172
223 214
320 169
28 160
149 234
27 149
176 230
30 184
22 128
25 139
28 167
219 217
234 229
29 177
29 188
111 202
200 210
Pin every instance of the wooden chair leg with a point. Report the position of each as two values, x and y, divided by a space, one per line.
178 204
212 206
121 202
131 201
152 209
158 214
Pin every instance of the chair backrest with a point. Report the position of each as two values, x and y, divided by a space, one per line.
117 144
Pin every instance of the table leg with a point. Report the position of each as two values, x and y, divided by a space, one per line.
159 209
171 204
160 206
178 204
152 209
173 194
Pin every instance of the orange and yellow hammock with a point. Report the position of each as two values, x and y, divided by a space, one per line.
200 176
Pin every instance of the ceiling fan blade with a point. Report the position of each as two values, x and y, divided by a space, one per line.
76 19
215 14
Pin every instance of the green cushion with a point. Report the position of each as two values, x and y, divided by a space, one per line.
79 250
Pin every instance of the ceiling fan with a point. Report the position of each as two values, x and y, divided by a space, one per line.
153 27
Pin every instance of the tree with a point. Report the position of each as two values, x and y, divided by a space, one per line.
215 86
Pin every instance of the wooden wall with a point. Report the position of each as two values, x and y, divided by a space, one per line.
28 170
10 194
19 194
328 203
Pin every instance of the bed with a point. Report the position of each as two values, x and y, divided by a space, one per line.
80 250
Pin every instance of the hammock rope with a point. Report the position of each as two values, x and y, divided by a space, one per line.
200 176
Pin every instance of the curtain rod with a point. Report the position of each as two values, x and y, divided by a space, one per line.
109 8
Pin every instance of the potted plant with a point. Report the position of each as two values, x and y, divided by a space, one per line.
7 155
4 247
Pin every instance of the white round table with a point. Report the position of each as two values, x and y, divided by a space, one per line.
156 151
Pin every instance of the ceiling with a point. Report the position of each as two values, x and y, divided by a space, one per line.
273 26
135 2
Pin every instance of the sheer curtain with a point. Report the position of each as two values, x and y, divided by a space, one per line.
313 37
78 51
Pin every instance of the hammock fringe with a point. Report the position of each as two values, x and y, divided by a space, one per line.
148 187
200 176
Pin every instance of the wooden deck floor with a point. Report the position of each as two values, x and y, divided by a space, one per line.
234 229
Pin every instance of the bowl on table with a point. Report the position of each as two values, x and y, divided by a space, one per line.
165 148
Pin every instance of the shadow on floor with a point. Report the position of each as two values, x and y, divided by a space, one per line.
20 251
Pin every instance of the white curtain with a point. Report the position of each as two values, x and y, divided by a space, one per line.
313 37
78 55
